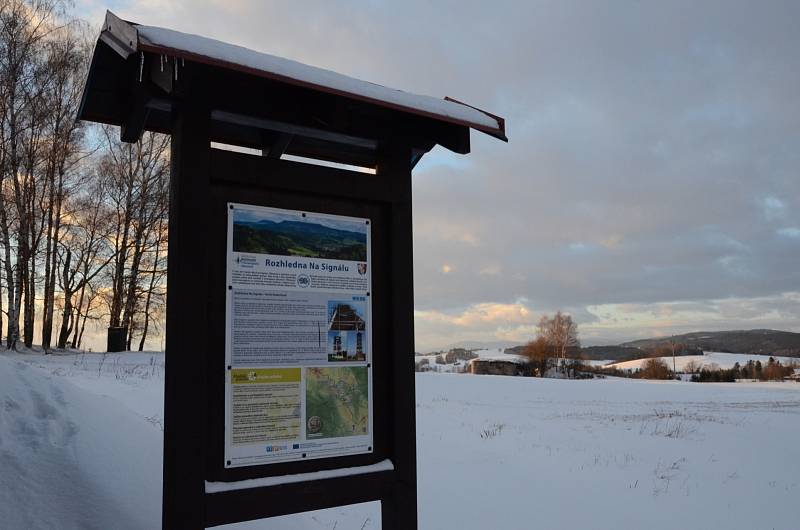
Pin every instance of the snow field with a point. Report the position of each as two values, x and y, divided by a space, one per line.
80 447
709 358
72 459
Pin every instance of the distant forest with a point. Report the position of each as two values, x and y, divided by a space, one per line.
290 238
754 341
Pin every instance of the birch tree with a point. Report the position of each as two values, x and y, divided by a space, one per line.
138 192
561 334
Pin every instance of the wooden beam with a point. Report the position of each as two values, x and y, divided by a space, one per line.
299 130
132 128
277 147
119 35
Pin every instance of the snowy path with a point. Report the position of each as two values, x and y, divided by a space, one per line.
68 460
80 445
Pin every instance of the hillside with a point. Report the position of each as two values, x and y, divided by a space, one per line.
289 238
754 341
709 360
596 353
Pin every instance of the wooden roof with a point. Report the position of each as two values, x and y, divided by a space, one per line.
263 101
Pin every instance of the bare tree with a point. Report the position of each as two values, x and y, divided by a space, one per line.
67 60
87 253
561 335
136 177
26 28
539 353
155 292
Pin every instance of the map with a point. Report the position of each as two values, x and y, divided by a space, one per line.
337 402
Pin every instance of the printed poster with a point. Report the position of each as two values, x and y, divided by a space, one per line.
298 336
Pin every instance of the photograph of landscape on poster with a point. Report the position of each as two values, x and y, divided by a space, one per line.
337 402
292 234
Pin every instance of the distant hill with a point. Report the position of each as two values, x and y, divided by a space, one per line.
596 353
754 341
482 345
615 353
294 238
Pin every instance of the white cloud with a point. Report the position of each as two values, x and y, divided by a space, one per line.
791 231
774 208
674 159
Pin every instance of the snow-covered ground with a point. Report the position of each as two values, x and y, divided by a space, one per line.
80 440
462 366
709 358
598 362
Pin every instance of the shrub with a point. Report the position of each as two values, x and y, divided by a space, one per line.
655 368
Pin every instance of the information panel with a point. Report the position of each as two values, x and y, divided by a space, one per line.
298 343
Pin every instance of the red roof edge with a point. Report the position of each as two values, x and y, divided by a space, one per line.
501 122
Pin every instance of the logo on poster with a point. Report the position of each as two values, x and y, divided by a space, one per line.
314 424
303 281
246 261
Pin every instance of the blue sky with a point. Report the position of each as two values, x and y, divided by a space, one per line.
651 182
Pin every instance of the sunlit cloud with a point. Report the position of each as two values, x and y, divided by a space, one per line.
635 176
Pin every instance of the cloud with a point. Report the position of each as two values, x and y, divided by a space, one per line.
483 321
653 147
791 231
774 208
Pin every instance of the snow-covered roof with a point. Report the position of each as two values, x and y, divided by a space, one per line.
500 358
127 38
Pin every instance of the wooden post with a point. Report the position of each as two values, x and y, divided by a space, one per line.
185 401
399 511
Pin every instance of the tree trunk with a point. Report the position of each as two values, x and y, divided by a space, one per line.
30 303
49 254
150 289
83 326
1 309
9 271
66 315
79 311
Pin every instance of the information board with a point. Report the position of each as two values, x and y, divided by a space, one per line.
298 344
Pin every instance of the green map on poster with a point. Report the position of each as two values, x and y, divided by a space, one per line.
337 402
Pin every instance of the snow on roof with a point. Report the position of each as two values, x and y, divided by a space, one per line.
210 51
497 355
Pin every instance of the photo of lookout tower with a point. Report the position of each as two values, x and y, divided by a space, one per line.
346 316
347 331
347 346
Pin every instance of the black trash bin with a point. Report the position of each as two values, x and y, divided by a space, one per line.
117 336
